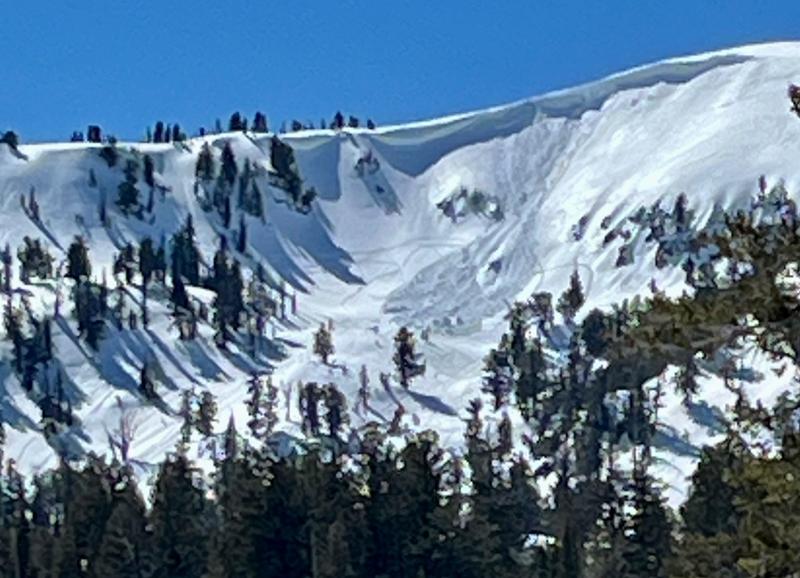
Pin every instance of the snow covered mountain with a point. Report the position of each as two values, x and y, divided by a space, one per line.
398 235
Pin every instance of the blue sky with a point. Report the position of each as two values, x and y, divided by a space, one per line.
126 64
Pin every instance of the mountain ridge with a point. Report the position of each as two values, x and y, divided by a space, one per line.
377 250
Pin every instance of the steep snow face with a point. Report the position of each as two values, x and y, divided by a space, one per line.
438 225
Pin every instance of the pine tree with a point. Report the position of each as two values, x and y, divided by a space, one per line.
185 255
110 153
710 508
236 123
336 410
205 169
146 384
648 544
127 193
260 123
262 407
229 170
11 139
90 310
149 172
15 518
406 360
35 260
124 546
573 299
87 507
78 264
323 343
147 260
310 396
180 521
498 375
206 414
241 237
228 285
284 164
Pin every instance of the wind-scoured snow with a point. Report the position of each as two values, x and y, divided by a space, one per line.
376 252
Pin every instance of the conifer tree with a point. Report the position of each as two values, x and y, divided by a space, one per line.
11 139
310 396
147 260
573 299
236 123
206 414
229 170
241 237
78 264
323 343
123 549
127 193
87 507
336 410
648 544
35 260
205 169
185 255
260 123
407 362
146 385
149 171
498 376
158 133
180 521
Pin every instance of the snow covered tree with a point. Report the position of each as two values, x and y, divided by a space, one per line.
323 343
407 362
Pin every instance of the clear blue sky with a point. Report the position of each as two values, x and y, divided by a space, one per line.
64 64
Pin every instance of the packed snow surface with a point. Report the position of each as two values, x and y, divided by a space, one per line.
376 252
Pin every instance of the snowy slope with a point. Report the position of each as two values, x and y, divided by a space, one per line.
376 252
